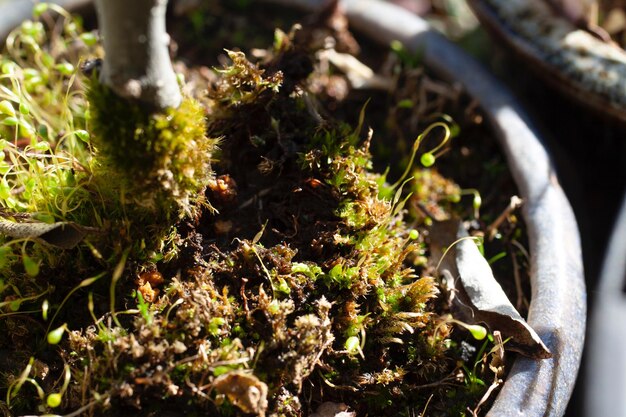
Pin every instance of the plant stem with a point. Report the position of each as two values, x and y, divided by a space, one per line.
137 63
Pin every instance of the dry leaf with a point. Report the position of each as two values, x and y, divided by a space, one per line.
360 75
244 390
64 235
475 295
330 409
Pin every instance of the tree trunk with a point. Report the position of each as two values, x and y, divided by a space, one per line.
137 63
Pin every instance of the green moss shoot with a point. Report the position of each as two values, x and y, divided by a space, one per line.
160 160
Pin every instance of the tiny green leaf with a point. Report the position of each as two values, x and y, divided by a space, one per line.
336 271
42 146
34 29
44 217
39 9
478 332
45 306
30 73
7 108
24 109
10 121
89 38
220 370
65 68
8 67
31 265
352 344
82 135
5 189
283 286
47 60
5 257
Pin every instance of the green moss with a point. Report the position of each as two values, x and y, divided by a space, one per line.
160 160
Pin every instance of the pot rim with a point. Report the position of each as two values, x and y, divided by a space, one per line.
599 102
557 310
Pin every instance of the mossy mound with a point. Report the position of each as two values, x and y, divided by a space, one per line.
159 161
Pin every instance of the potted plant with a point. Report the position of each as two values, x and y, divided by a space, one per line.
167 194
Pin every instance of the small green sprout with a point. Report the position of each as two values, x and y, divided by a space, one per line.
10 121
478 332
82 135
39 9
428 159
477 200
352 345
31 265
7 108
89 38
55 336
54 400
65 68
24 110
45 306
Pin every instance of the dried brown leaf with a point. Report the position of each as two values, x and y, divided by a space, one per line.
243 390
475 295
330 409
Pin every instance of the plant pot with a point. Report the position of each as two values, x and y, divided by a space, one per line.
583 68
605 380
558 306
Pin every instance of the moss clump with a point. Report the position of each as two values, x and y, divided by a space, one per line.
160 160
51 172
